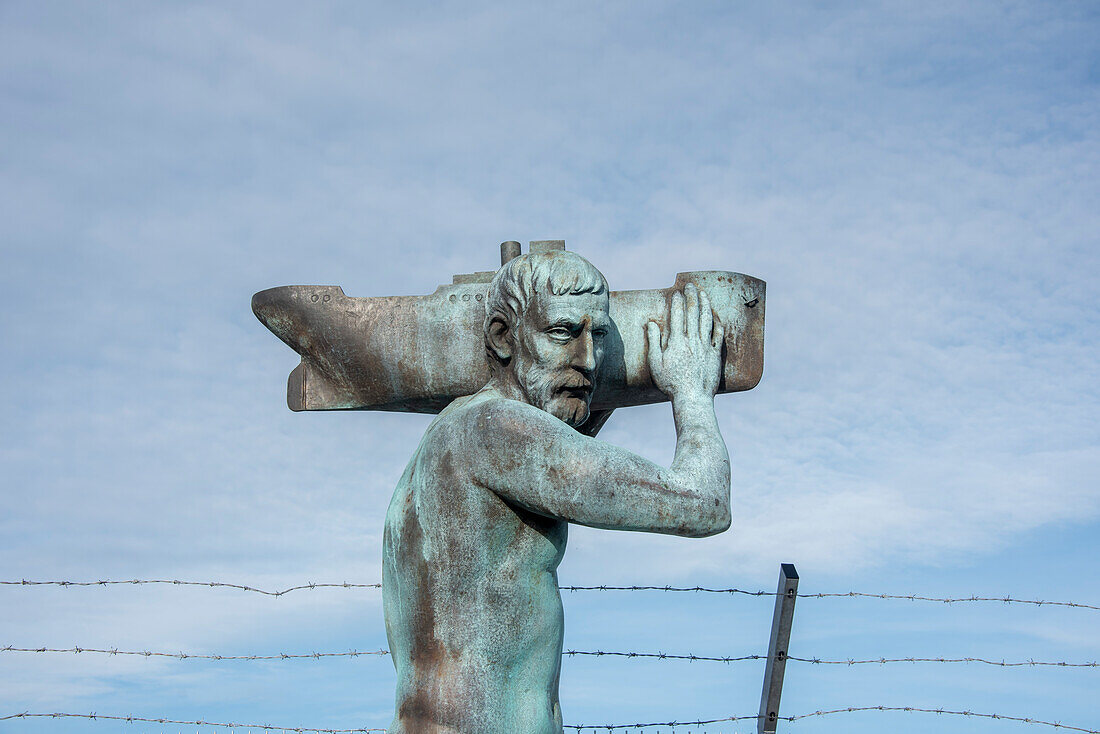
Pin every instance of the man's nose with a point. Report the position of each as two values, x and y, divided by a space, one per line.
584 355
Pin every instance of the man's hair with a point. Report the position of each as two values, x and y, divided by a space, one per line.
558 273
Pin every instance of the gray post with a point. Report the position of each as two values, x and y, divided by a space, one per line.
782 619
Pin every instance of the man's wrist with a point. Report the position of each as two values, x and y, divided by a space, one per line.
690 399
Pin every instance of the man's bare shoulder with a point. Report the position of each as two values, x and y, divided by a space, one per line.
488 414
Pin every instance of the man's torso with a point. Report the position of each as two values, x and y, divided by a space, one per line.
473 614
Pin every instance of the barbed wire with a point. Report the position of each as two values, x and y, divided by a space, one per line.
664 656
186 656
351 653
951 600
210 584
656 724
697 589
598 653
850 661
1000 663
601 587
570 653
839 594
976 714
229 725
576 727
852 709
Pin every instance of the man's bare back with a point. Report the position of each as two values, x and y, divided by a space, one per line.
478 523
499 595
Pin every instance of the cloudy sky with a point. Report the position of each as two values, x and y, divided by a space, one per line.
917 183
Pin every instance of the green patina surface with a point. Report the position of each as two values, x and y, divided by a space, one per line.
479 520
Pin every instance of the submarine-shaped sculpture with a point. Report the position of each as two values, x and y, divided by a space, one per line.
418 353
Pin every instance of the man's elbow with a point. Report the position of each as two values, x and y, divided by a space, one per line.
720 525
711 521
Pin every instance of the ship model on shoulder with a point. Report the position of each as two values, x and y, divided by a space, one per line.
418 353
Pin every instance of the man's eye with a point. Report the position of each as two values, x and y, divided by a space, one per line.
561 332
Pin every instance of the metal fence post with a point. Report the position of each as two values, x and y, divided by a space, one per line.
782 619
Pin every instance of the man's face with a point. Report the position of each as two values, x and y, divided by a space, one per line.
559 347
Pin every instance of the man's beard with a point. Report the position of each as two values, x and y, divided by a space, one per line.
564 393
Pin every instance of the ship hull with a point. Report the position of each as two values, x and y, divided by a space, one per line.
418 353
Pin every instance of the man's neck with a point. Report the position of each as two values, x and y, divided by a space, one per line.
504 383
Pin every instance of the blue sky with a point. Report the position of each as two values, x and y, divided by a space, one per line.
917 185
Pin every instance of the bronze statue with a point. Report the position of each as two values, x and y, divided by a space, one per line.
478 523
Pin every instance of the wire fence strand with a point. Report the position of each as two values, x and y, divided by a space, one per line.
187 656
841 594
199 722
1000 663
951 600
973 714
664 656
673 724
352 653
602 587
660 724
696 589
853 709
208 584
76 649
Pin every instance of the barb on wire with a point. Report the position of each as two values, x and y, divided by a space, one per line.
186 656
951 600
1001 663
146 720
175 582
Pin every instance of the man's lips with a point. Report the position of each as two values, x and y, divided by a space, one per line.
575 385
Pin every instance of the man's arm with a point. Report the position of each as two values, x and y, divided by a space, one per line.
538 462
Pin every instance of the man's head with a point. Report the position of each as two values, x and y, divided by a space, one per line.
544 330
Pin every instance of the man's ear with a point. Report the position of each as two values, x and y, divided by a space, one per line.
500 339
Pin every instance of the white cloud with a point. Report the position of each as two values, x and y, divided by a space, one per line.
917 186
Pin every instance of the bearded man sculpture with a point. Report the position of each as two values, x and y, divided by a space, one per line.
478 522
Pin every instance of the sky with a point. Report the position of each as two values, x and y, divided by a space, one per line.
917 183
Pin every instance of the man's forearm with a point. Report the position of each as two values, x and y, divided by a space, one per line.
701 462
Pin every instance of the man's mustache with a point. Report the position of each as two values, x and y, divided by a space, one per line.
551 385
572 381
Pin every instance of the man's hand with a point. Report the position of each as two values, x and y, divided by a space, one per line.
687 363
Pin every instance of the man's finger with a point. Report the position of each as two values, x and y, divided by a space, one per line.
691 294
676 316
719 335
706 317
653 340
